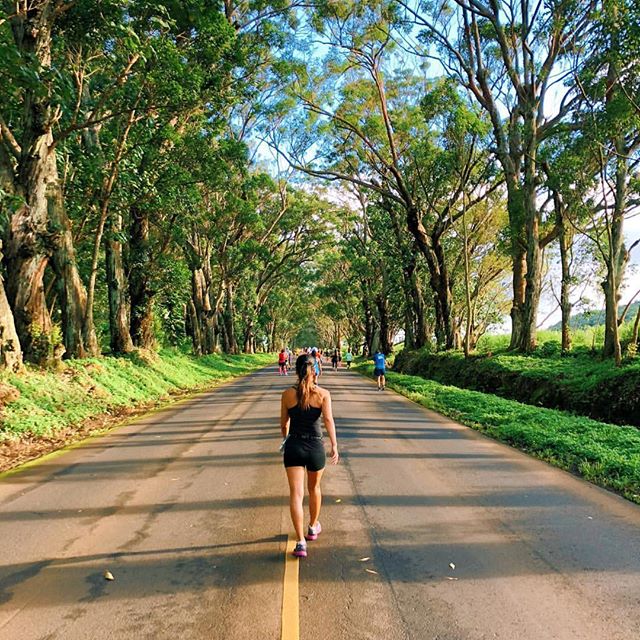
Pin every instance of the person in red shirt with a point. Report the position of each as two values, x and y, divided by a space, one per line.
282 363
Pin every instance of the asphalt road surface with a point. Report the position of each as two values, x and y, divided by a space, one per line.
431 531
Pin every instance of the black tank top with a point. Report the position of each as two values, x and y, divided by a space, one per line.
305 422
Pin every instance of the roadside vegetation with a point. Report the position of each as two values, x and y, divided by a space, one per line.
37 402
605 454
576 382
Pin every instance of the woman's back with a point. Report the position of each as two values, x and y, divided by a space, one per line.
305 422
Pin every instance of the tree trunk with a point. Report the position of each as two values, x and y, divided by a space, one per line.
385 334
433 252
422 327
140 291
203 312
566 242
204 317
28 254
382 306
636 327
10 350
518 247
78 328
618 256
367 348
611 330
224 339
230 343
409 279
193 328
30 238
410 319
249 338
534 252
532 297
197 305
519 268
442 297
120 337
445 295
467 281
409 324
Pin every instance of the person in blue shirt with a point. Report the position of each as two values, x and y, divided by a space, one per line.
317 363
379 363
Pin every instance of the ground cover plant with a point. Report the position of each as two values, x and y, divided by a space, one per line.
41 403
607 455
575 382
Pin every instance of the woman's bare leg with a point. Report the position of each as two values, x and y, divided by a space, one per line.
315 496
295 475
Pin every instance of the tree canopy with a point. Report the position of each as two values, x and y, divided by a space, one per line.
242 176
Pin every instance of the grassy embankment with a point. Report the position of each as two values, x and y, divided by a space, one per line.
40 404
605 454
579 382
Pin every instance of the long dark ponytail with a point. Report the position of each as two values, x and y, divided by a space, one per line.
304 389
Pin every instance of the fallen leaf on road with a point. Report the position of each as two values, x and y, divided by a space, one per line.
108 575
365 559
453 566
371 571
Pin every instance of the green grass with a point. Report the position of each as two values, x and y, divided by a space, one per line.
50 401
579 382
605 454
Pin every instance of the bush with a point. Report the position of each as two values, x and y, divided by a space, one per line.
576 383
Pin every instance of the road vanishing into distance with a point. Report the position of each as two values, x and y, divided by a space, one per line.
431 531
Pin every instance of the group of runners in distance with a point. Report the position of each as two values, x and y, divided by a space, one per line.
286 355
303 409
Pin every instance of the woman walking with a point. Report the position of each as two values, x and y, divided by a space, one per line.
301 408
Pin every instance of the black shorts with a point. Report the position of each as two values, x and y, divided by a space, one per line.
378 372
299 452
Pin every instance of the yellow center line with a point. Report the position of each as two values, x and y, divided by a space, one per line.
290 605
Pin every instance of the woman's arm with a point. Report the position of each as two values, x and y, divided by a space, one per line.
284 415
330 426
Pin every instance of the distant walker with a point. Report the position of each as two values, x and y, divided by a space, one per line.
380 365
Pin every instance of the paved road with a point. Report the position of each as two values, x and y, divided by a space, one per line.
187 508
